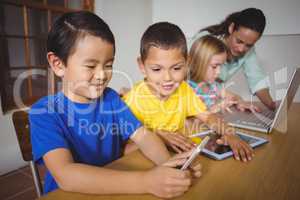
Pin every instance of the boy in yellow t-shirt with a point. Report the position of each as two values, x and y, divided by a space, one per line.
163 101
168 114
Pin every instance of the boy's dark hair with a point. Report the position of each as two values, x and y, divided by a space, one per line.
251 18
163 35
70 27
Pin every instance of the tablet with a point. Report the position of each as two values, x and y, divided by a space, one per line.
196 152
220 152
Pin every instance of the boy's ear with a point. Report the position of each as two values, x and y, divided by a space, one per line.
141 65
56 64
231 28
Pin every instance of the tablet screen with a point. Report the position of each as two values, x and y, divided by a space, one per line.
221 149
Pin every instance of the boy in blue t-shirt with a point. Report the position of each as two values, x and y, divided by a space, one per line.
84 126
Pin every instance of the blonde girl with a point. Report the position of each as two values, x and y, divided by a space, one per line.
206 57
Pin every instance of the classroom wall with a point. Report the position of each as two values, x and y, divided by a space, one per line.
128 20
10 155
282 16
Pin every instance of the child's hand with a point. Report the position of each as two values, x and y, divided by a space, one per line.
180 159
241 150
167 182
177 142
244 106
226 104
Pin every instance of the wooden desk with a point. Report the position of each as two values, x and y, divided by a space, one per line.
274 173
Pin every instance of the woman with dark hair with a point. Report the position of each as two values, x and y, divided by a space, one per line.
240 31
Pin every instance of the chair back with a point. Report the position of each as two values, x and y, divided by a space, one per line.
21 124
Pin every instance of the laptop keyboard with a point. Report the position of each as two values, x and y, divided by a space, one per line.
263 119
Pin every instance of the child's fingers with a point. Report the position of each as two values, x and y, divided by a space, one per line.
248 107
243 107
242 155
177 194
248 150
221 141
174 162
196 166
235 153
251 108
230 103
176 149
197 174
183 155
178 160
180 174
242 151
196 170
181 181
178 145
228 110
185 140
182 142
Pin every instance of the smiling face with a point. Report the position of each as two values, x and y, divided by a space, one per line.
214 67
164 70
241 40
88 70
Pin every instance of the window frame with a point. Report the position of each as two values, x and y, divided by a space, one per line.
5 67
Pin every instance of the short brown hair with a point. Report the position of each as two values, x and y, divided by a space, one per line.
163 35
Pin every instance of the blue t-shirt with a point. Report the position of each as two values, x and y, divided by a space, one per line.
93 132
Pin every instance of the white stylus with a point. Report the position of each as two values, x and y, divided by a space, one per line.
195 153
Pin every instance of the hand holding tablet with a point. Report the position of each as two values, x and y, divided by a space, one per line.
196 152
220 152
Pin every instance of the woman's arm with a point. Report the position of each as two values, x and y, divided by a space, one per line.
265 97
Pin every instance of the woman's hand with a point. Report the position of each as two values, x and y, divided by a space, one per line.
244 106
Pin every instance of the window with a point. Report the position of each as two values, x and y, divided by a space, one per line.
24 70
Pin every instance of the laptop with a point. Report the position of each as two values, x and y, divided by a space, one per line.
266 120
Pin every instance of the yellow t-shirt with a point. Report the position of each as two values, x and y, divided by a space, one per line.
167 115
